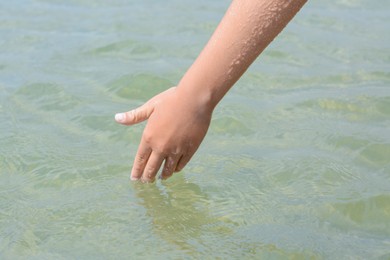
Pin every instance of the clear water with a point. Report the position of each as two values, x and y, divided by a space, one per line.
296 163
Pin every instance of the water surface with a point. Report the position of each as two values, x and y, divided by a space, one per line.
295 164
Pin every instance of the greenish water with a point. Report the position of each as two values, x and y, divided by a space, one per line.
296 163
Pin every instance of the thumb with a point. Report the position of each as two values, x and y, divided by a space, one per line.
136 115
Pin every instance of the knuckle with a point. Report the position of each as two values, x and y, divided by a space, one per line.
141 159
133 114
168 166
147 137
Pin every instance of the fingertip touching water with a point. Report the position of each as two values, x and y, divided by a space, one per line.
178 119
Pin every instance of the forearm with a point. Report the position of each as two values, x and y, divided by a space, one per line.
178 118
245 31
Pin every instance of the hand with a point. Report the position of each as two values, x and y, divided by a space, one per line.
176 127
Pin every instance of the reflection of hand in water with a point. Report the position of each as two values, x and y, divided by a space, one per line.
179 213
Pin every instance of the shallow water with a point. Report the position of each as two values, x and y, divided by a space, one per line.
295 164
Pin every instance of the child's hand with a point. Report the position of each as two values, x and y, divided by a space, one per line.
176 127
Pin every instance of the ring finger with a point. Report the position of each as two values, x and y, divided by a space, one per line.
169 166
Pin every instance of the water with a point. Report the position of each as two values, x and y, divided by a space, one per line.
295 164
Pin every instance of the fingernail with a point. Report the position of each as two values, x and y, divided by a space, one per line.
120 117
133 178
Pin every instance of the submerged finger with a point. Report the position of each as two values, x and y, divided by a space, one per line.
153 165
183 162
169 166
140 161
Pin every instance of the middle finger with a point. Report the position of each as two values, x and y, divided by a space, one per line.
152 167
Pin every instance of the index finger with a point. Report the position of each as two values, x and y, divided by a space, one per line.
140 160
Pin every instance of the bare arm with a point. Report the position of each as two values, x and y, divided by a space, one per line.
245 31
178 118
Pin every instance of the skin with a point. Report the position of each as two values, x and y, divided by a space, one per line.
178 118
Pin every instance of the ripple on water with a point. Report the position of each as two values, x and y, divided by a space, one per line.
351 143
46 96
139 86
360 108
370 152
98 123
305 174
126 49
180 213
368 214
230 125
383 105
377 154
273 211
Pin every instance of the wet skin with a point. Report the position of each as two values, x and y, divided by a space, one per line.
179 117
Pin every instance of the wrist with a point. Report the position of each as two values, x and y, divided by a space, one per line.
202 84
199 96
